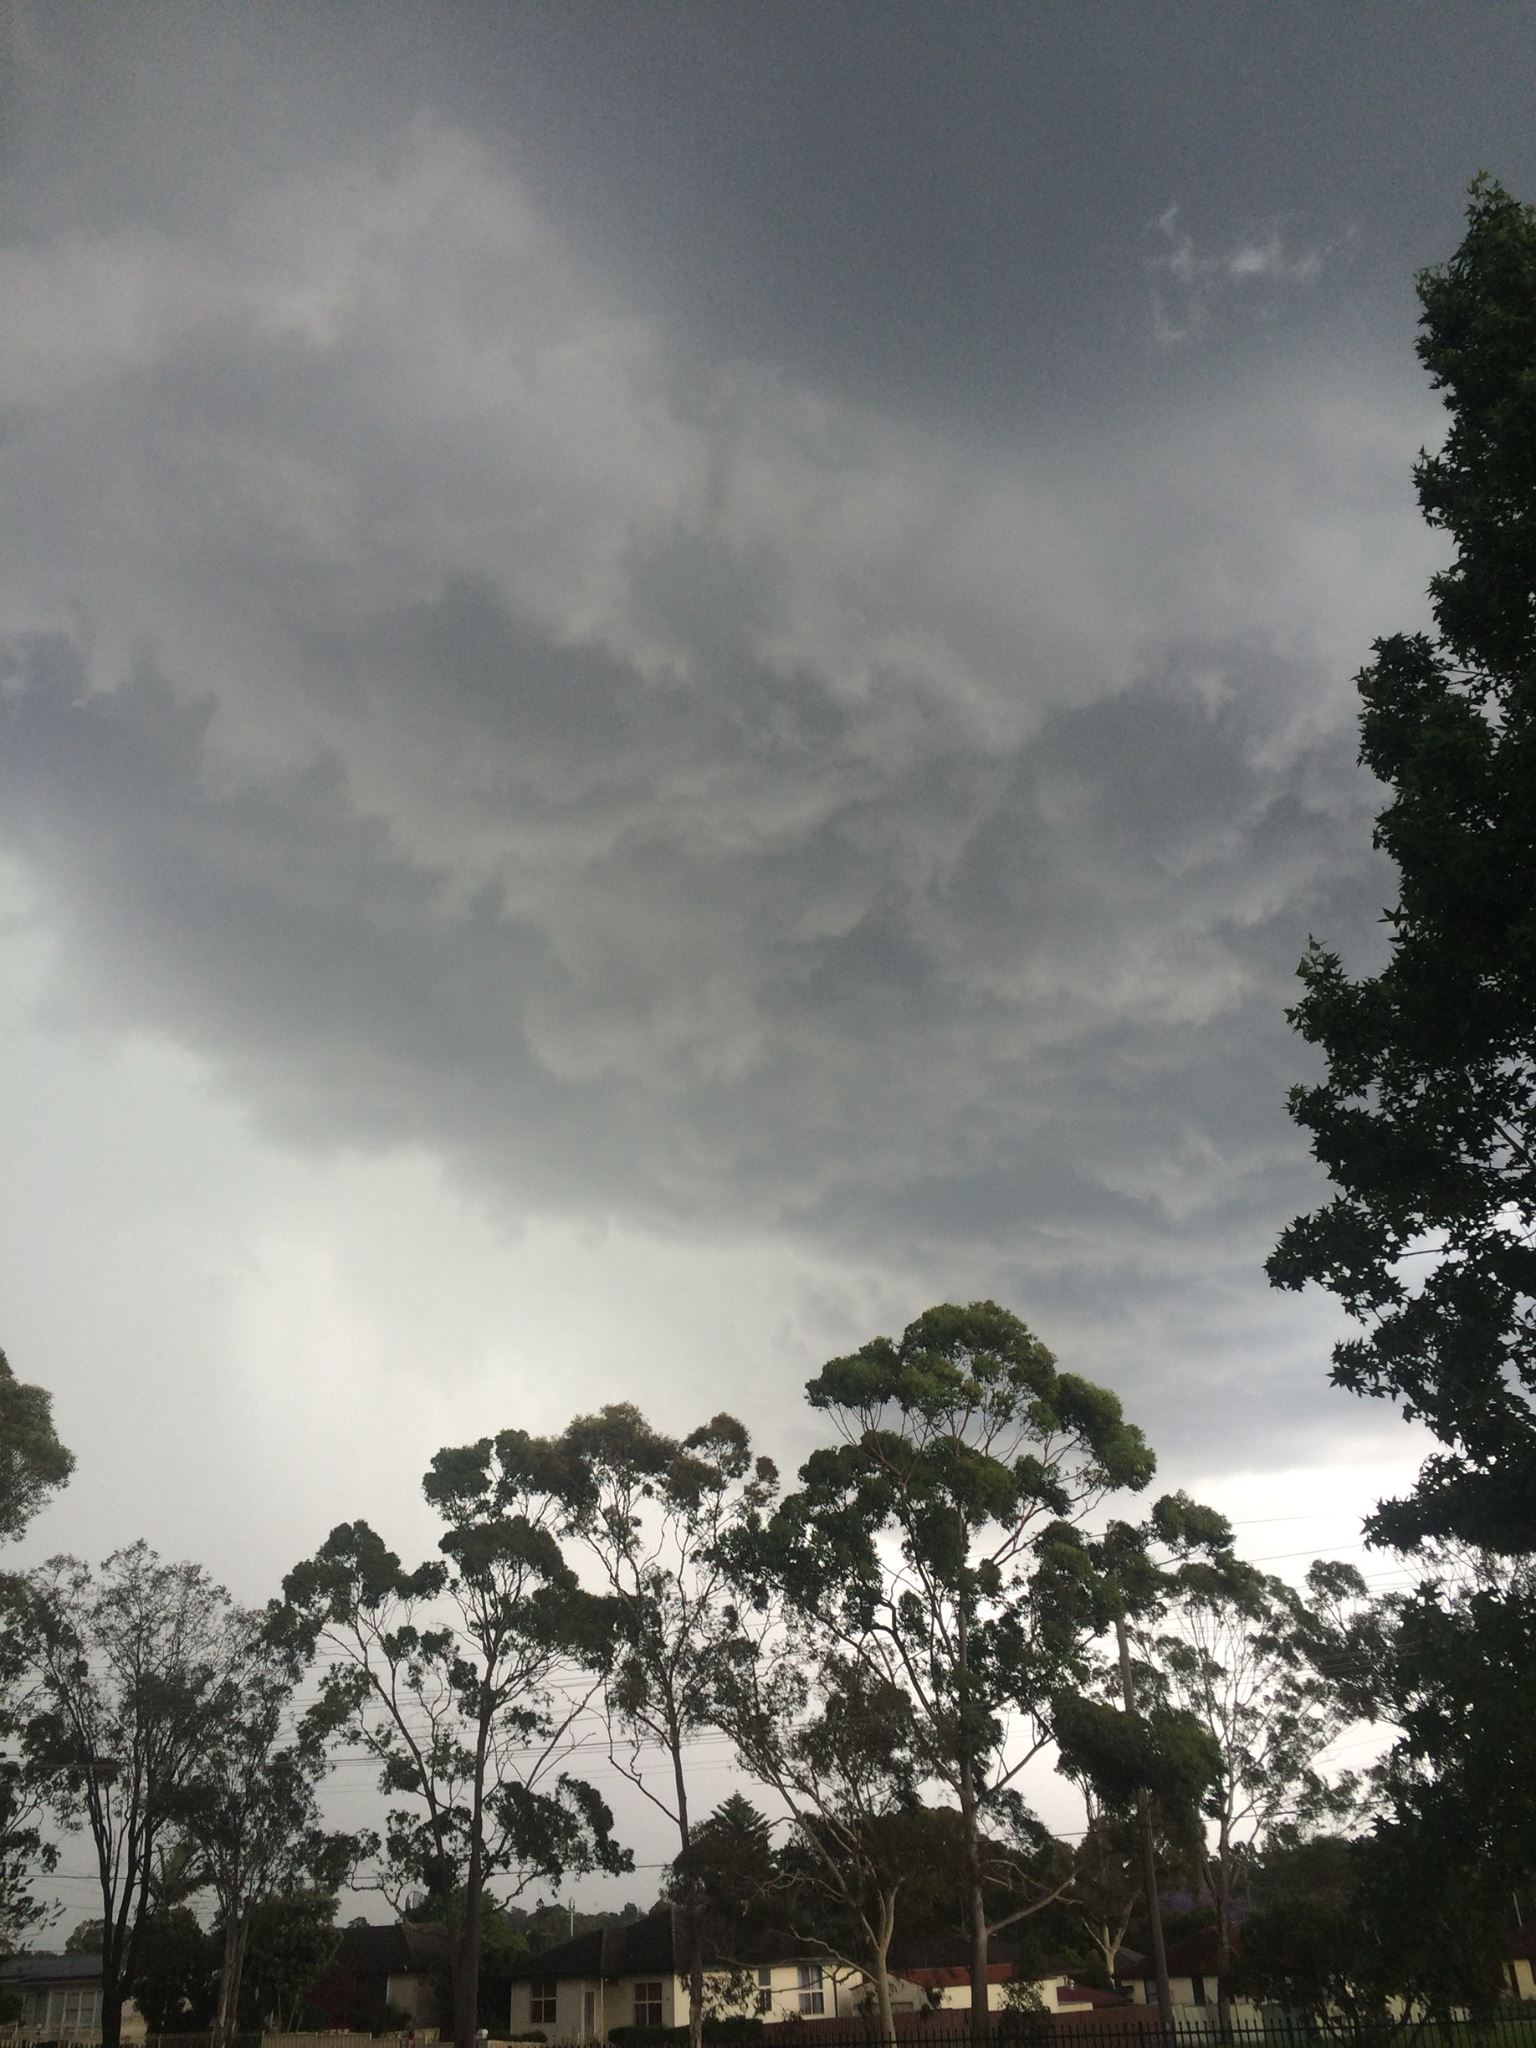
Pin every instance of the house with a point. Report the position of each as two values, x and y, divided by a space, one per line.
395 1968
636 1975
946 1986
61 1997
1192 1982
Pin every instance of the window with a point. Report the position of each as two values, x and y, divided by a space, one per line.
75 2012
542 1999
765 1988
808 1978
648 2005
1197 1990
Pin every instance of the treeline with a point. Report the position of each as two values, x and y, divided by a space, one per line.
968 1576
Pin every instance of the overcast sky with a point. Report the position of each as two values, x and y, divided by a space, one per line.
675 678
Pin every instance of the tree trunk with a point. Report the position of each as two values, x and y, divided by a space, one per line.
466 1950
970 1830
111 2017
881 1948
1223 1889
883 2003
237 1929
980 1990
1148 1848
693 1931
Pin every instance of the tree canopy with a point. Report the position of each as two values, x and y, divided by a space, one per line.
1426 1117
33 1463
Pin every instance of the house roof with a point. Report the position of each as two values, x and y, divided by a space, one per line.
42 1969
631 1949
390 1951
951 1973
1522 1942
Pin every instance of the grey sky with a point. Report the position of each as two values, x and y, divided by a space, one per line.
673 679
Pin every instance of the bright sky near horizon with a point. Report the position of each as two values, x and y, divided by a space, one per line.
675 679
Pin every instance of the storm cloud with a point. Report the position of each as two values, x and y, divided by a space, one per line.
822 748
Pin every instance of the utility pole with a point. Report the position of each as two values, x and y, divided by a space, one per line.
1148 1850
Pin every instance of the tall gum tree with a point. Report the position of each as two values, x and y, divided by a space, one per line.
654 1514
919 1542
832 1738
463 1679
1241 1655
249 1813
132 1671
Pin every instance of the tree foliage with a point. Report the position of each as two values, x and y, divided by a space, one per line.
250 1814
1426 1117
655 1513
454 1677
936 1541
292 1939
131 1672
33 1463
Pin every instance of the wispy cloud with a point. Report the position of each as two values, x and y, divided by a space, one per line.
1195 286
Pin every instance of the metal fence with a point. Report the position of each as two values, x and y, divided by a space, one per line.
1132 2026
1138 2026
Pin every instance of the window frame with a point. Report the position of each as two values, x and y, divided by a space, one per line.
542 1992
650 1999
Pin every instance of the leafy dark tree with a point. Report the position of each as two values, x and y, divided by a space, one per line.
86 1938
452 1676
729 1864
1449 1665
920 1541
653 1514
1425 1119
131 1673
25 1853
250 1813
33 1463
175 1971
1344 1933
291 1942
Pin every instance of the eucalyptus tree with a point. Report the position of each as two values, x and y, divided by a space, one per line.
461 1678
1118 1737
655 1514
1241 1657
835 1740
250 1812
33 1465
131 1673
924 1542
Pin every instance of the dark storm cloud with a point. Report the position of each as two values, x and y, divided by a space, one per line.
730 618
